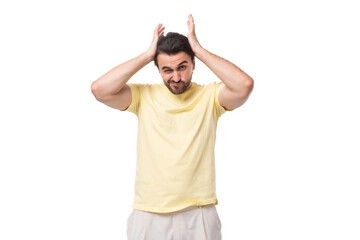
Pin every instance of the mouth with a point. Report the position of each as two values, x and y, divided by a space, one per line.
177 87
176 84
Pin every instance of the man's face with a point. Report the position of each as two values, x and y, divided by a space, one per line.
176 71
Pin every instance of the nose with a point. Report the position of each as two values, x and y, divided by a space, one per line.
176 77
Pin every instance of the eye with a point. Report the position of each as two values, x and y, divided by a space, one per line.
168 71
182 67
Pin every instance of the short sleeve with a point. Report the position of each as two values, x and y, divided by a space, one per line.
220 110
135 89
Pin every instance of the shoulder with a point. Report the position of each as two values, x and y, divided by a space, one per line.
140 87
213 86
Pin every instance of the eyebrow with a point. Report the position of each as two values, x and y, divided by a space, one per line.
166 67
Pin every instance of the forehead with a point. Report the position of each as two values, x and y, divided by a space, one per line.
173 60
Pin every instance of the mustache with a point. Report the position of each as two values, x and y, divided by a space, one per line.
172 81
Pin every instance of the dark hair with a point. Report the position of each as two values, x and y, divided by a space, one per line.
173 43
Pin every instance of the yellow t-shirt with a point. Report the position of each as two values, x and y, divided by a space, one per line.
175 165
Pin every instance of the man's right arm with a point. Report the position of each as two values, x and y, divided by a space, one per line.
111 88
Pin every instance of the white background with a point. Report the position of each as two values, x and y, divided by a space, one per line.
287 161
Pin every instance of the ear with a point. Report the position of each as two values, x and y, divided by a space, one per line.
194 64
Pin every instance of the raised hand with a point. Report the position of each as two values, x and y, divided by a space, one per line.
194 43
159 30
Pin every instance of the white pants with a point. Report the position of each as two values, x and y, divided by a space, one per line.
191 223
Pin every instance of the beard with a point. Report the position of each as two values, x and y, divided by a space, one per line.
179 88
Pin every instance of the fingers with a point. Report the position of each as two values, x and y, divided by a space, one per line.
191 19
190 23
159 30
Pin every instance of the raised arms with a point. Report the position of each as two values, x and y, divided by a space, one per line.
111 88
237 84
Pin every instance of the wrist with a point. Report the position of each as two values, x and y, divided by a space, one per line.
196 49
147 57
200 52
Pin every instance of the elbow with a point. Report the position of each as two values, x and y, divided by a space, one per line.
245 85
95 89
249 84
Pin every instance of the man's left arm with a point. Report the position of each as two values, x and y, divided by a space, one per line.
237 84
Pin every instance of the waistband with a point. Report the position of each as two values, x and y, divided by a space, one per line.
189 208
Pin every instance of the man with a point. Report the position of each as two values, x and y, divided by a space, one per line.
175 172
